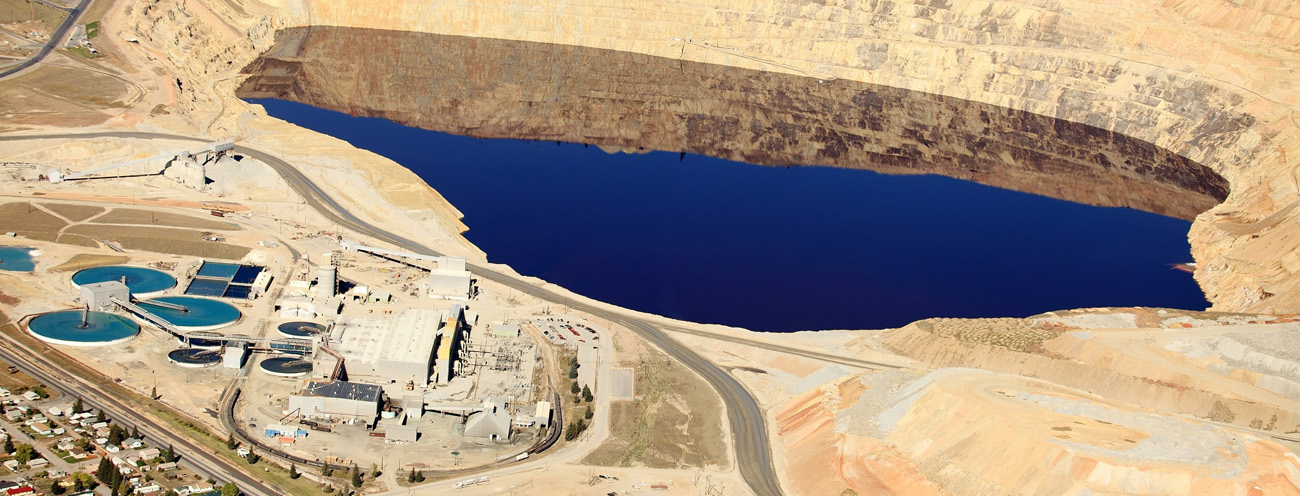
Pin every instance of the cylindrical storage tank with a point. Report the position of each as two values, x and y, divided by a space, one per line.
327 281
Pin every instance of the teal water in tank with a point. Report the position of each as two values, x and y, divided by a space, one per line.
67 326
141 280
199 312
16 259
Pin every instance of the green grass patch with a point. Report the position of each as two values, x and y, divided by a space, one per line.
92 30
84 52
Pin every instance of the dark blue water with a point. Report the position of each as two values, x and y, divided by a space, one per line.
779 249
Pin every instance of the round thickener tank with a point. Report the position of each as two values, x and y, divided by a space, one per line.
194 358
286 366
300 329
190 313
143 282
83 328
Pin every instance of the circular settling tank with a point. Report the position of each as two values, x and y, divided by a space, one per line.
194 358
191 313
96 329
286 366
300 329
144 282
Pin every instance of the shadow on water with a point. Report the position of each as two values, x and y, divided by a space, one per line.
714 270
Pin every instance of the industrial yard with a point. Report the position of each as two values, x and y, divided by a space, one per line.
336 352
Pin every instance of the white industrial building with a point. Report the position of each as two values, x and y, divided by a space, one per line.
450 280
394 349
492 422
98 296
337 400
542 415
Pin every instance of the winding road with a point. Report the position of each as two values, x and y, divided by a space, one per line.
745 417
59 35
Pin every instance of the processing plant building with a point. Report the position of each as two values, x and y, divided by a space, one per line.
415 347
337 400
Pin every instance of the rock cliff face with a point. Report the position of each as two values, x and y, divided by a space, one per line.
513 89
1211 80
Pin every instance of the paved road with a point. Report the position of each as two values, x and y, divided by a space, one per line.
748 425
192 454
56 39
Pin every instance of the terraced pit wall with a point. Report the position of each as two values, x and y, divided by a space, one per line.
1210 80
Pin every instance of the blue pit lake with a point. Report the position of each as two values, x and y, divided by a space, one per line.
779 249
869 206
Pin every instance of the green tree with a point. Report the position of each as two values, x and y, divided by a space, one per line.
356 478
171 492
124 488
100 416
57 488
293 471
586 394
252 457
83 443
135 432
415 476
82 481
116 435
374 470
573 368
327 470
588 414
78 406
574 388
231 443
40 391
24 453
230 489
9 445
105 471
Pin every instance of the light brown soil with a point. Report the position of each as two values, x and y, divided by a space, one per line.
87 260
673 423
18 11
29 221
55 89
162 240
75 213
149 217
